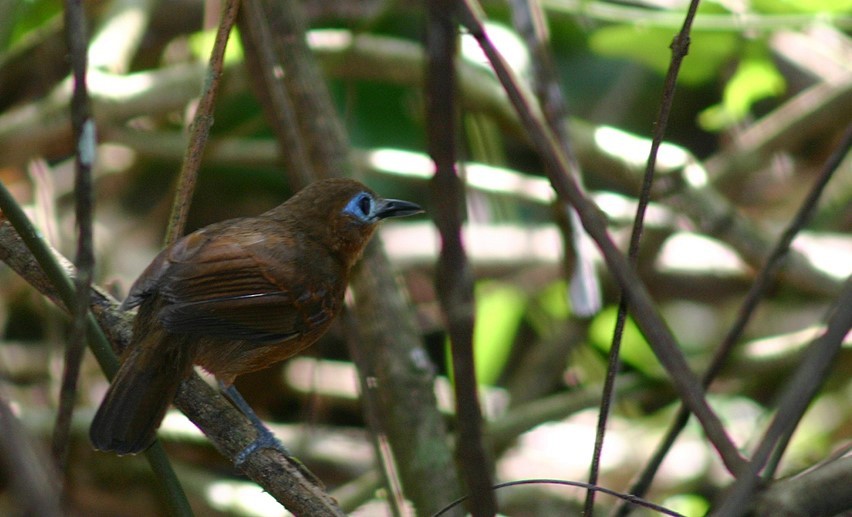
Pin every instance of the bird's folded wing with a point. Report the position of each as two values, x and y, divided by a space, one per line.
225 287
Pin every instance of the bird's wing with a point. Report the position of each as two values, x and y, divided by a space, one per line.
235 286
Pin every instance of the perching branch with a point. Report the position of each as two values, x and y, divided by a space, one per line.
229 431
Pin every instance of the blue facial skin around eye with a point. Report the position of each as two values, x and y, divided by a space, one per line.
361 207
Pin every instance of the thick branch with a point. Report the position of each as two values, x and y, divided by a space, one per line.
389 353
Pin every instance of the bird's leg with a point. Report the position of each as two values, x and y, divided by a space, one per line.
265 439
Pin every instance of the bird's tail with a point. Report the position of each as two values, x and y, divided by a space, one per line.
145 385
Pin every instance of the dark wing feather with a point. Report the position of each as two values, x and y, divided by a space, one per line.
259 318
236 286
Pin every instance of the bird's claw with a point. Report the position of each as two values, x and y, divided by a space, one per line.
265 440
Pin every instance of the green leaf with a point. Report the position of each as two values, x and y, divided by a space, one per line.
28 17
802 6
550 305
708 51
755 79
687 504
500 309
201 44
554 300
635 351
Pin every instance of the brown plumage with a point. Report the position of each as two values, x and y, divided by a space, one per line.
237 296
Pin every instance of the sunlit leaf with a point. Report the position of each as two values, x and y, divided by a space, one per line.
27 19
755 80
802 6
708 51
687 504
634 349
554 299
551 305
499 311
201 44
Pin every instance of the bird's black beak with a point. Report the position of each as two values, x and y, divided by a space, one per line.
396 208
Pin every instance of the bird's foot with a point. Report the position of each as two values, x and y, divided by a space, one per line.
265 440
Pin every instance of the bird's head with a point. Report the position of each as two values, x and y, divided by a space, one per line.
343 214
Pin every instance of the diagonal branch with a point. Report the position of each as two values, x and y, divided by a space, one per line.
680 48
764 278
642 307
795 400
199 129
528 17
229 431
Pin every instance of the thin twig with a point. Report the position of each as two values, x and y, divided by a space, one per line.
31 257
797 396
199 129
680 48
762 281
805 383
85 143
628 498
647 318
584 287
651 16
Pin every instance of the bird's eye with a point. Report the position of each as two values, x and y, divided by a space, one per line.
360 207
365 203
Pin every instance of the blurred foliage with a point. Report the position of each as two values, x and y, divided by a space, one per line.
27 18
709 51
201 44
635 351
499 312
754 80
802 6
529 345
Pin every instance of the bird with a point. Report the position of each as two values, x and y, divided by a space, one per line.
237 296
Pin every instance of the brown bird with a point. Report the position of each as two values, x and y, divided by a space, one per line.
237 296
